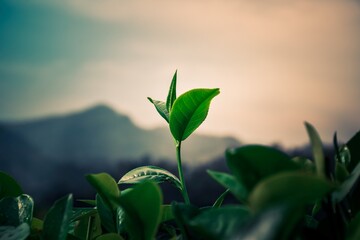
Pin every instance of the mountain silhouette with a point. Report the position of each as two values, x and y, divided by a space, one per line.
100 133
50 156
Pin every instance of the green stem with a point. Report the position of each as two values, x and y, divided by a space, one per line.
89 227
181 175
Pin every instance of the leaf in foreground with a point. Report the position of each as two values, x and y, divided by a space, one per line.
229 181
8 186
350 187
353 229
153 173
57 220
219 223
252 163
277 222
106 187
107 215
353 152
291 188
183 213
142 206
16 210
110 236
219 201
354 147
88 227
317 149
20 232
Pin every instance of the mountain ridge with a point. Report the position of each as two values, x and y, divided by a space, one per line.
99 132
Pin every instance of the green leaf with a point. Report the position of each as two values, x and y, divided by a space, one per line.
317 149
106 187
229 181
153 173
37 224
160 106
110 236
172 93
305 164
88 201
189 111
252 163
107 215
79 213
57 220
168 232
142 206
183 213
353 229
350 152
342 155
85 223
354 147
347 185
341 173
20 232
311 222
209 223
16 210
279 222
88 227
120 220
219 223
219 201
166 213
292 188
8 186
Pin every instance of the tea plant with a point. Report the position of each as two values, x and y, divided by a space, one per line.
184 115
279 197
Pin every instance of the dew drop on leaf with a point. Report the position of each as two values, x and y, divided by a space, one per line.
345 155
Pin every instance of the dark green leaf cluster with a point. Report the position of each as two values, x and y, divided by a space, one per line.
279 197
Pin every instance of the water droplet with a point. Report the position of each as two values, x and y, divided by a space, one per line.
345 156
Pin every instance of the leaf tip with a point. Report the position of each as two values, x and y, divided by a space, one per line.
209 171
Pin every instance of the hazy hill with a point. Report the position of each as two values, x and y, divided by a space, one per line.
50 156
101 133
15 151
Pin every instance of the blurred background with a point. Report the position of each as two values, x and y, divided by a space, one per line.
74 77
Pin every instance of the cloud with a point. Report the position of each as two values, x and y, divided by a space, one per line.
277 62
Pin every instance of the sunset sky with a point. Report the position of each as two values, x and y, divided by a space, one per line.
276 62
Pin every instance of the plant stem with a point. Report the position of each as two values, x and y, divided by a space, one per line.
89 227
181 175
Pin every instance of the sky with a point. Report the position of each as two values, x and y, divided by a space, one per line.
277 63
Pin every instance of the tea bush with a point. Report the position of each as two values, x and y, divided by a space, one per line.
278 197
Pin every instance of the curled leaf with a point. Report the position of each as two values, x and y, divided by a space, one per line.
172 93
153 173
160 106
106 187
317 149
